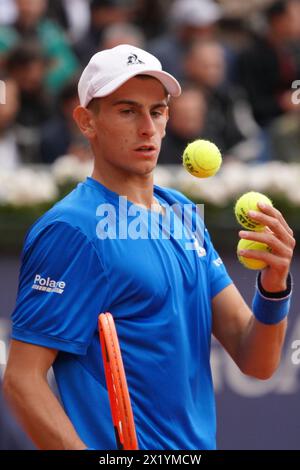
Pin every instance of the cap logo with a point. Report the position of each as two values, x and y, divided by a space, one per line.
134 60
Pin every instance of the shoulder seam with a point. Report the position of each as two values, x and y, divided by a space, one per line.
90 241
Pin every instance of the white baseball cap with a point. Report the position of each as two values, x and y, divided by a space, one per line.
111 68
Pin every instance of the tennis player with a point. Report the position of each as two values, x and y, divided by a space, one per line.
166 298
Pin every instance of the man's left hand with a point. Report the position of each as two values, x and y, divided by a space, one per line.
279 237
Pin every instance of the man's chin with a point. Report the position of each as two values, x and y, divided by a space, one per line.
147 167
141 168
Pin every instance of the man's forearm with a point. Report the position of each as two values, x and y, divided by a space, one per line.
40 413
260 348
264 336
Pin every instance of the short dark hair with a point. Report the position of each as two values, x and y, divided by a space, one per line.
24 54
94 105
68 91
278 8
95 4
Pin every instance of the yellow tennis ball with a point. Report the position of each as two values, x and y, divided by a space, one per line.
247 202
251 263
202 158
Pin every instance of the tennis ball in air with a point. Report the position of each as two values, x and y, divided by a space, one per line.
251 263
247 202
202 158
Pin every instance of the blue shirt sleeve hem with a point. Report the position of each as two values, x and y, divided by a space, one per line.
221 284
48 341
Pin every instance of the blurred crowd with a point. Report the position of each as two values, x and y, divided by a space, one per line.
238 63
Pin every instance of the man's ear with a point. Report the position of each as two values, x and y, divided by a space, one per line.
167 118
84 119
167 113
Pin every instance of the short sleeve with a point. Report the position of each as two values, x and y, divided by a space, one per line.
217 273
62 290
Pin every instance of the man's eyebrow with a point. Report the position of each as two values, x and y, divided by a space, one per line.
160 104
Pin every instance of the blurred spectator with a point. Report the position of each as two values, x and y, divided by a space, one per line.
27 66
8 11
31 24
295 43
186 123
122 33
9 153
61 136
151 16
284 138
104 13
11 435
268 67
189 20
238 9
205 66
72 15
295 12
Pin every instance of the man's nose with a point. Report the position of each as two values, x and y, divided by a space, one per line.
147 126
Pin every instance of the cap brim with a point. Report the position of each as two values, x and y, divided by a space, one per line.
169 82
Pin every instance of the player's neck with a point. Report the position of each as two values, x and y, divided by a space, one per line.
137 188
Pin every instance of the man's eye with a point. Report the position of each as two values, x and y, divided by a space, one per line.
127 111
156 113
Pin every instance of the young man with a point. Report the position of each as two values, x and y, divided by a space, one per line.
166 299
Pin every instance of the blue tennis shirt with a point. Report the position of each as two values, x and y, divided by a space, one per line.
79 260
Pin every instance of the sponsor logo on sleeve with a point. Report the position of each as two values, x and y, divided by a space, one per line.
48 285
218 262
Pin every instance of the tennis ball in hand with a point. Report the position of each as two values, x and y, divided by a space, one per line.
202 158
251 263
247 202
